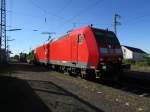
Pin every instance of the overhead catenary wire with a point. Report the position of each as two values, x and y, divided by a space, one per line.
64 19
135 19
85 9
70 21
65 6
45 12
25 15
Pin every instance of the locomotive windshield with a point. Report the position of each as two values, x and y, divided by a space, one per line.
105 37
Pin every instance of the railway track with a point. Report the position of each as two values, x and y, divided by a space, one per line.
140 87
134 82
128 94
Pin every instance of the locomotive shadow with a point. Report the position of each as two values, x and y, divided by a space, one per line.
4 68
17 96
27 67
134 82
59 98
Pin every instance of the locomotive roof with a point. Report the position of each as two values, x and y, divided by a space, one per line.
103 30
63 36
93 28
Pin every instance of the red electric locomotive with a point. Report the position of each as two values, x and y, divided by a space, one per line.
86 51
41 54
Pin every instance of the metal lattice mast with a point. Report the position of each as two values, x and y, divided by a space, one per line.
3 40
116 16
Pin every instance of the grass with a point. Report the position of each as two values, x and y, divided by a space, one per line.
140 68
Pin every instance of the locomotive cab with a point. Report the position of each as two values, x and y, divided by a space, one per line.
110 53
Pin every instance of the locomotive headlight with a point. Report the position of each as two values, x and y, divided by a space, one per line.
120 59
101 59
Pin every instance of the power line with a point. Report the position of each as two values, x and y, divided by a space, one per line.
85 9
24 14
135 19
65 6
90 6
62 18
45 11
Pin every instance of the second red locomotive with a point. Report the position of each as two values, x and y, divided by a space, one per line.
86 51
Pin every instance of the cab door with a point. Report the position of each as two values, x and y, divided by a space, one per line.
46 53
74 49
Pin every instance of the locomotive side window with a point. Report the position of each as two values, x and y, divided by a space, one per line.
106 38
80 39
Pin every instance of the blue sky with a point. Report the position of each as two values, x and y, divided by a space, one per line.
63 15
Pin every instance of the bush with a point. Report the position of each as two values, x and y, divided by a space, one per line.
30 56
144 62
129 61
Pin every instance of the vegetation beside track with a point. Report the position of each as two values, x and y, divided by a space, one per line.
142 65
140 68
